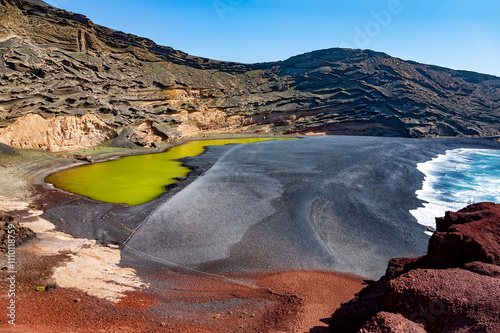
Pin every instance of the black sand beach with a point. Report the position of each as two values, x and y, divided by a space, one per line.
254 237
323 203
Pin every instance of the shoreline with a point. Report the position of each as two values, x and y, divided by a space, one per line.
300 220
456 162
56 246
292 301
138 179
289 314
101 154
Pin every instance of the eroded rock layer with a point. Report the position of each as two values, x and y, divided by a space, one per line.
57 133
56 63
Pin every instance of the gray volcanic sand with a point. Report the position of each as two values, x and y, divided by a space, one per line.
328 203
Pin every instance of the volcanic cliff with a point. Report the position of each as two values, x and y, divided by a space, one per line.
454 288
57 63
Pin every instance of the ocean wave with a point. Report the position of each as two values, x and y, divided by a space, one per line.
456 179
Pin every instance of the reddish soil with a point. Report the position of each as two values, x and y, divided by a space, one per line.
299 301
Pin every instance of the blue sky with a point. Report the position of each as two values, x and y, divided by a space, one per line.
457 34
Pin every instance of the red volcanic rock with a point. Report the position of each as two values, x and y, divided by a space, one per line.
454 288
385 322
351 316
449 300
472 213
483 268
398 266
12 231
471 234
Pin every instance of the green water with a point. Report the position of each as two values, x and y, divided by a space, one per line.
133 180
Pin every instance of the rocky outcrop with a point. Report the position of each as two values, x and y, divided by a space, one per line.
12 234
391 323
446 300
454 288
7 150
58 63
483 268
57 133
473 234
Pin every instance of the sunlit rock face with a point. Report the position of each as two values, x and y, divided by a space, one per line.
57 133
59 63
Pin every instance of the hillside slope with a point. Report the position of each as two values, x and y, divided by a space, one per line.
56 63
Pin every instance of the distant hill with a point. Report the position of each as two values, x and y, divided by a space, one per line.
56 63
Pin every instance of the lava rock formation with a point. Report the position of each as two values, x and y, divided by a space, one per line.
454 288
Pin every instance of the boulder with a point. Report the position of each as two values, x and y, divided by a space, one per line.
7 150
446 300
82 157
483 268
386 322
471 234
21 234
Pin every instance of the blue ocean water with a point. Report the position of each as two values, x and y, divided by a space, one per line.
455 179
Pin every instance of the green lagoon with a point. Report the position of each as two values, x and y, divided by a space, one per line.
134 180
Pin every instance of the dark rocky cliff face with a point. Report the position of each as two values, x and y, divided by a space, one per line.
58 63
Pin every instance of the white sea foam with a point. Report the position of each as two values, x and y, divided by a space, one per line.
456 179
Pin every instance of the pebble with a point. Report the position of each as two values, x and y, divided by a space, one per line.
50 288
